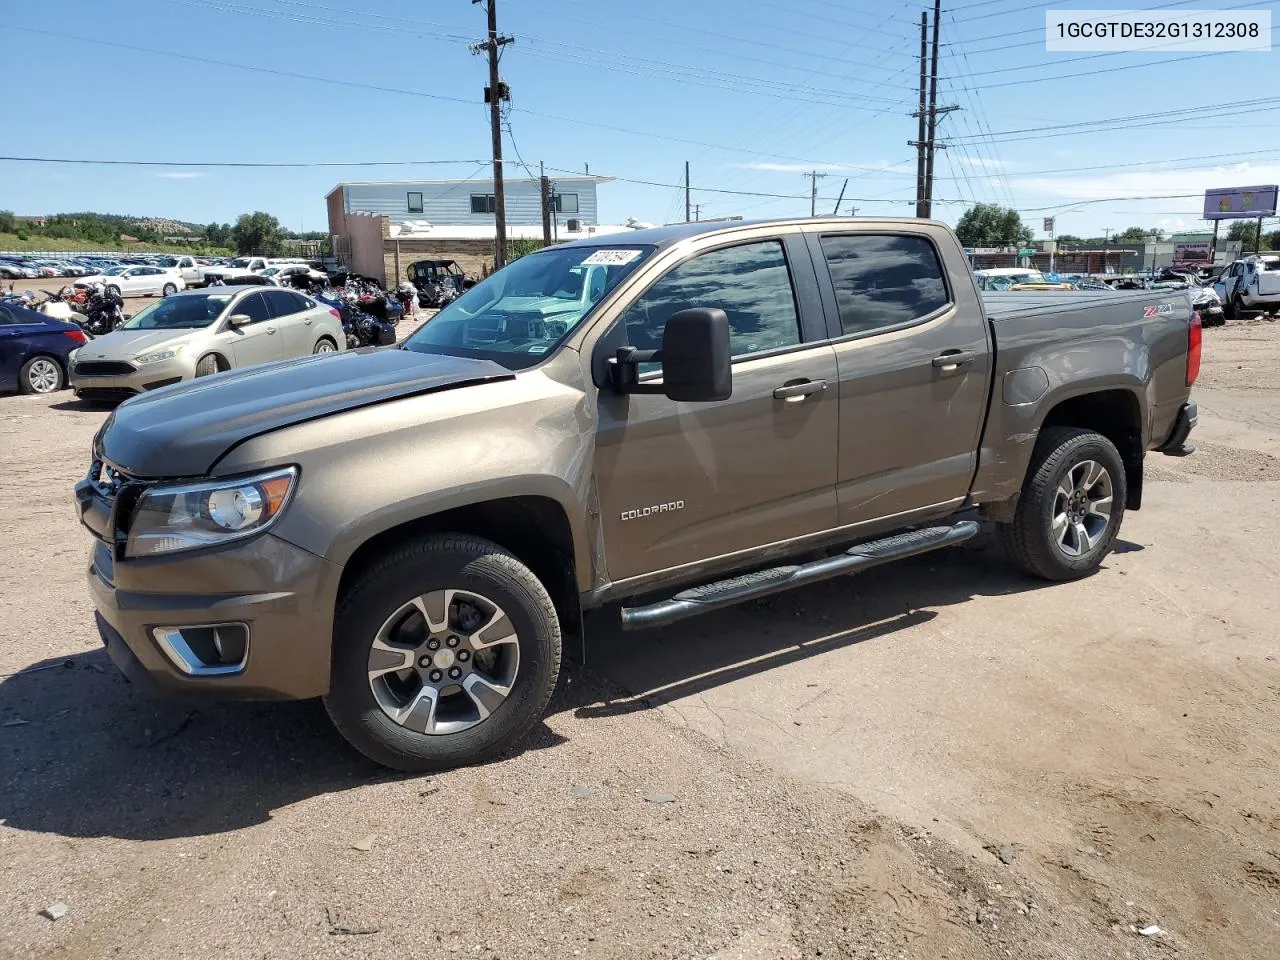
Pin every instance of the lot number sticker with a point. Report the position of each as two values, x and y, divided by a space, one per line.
610 258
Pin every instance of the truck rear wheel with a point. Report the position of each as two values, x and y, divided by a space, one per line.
445 653
1071 506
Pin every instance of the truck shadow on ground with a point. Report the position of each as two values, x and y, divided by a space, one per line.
83 754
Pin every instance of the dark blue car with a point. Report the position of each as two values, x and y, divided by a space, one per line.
34 350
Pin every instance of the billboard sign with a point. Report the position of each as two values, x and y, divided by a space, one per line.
1192 253
1240 203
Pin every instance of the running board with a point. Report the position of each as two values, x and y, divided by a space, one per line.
762 583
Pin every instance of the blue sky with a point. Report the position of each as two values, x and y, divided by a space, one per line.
751 92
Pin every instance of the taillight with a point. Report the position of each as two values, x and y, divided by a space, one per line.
336 314
76 336
1195 334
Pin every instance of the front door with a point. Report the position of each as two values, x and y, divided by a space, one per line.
683 482
914 366
258 341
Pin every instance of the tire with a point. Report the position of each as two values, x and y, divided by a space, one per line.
485 583
169 290
325 345
1055 549
42 375
1238 307
207 366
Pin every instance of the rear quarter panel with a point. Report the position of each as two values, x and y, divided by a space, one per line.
1052 347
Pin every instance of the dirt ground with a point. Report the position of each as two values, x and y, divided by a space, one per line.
936 759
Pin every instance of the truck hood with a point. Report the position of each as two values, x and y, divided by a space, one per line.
181 431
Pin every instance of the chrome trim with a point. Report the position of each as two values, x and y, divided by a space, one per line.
174 646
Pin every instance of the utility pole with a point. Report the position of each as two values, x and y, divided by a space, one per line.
919 143
545 184
494 94
813 175
840 199
686 192
697 212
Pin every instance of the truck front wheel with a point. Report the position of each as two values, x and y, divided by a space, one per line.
1071 505
446 651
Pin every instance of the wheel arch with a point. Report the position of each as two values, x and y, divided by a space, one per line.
1115 414
533 528
224 363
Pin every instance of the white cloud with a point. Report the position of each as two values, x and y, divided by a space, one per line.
179 175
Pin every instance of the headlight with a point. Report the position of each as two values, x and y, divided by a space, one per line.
187 516
154 357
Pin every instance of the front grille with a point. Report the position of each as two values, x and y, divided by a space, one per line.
105 394
105 368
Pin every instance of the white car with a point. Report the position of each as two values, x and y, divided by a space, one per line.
238 267
138 281
1250 284
280 273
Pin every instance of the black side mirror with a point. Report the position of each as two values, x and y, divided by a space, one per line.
695 357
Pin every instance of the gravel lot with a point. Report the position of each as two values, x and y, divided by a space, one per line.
937 759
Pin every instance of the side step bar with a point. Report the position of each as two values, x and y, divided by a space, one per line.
762 583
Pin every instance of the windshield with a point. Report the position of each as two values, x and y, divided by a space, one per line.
239 262
179 313
114 271
167 262
521 313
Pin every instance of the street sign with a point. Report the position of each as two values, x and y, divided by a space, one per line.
1048 224
1027 252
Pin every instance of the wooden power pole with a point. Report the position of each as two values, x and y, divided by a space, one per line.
921 112
813 176
545 183
494 94
686 191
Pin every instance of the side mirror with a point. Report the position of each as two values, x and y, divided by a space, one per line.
695 357
239 320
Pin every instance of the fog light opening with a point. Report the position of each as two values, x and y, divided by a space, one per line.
209 649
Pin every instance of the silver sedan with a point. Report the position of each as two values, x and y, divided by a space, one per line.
201 332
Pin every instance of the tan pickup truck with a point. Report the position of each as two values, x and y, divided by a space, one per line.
724 411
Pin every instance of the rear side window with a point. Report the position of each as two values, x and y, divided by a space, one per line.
883 281
284 303
750 283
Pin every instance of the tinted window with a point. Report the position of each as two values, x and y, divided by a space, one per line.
483 203
567 203
7 315
750 283
882 281
415 203
254 307
284 303
176 313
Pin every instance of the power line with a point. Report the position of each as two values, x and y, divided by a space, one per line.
243 163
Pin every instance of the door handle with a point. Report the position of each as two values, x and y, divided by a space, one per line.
271 330
795 392
307 321
954 358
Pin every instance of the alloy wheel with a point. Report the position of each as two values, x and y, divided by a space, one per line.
1082 508
324 346
44 376
444 662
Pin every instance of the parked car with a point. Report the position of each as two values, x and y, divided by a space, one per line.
1020 278
237 267
740 408
34 350
185 267
11 271
23 270
201 332
139 281
1250 284
282 274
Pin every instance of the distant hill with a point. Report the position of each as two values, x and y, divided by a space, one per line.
86 230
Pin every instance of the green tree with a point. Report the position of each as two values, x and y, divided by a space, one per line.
257 233
1245 231
991 225
1132 235
8 222
217 234
1069 239
1272 240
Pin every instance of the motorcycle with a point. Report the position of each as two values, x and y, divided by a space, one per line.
105 311
368 318
406 293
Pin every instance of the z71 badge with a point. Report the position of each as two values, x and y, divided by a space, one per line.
1158 310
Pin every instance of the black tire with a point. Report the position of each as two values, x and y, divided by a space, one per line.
1030 538
169 290
207 366
43 375
435 563
324 342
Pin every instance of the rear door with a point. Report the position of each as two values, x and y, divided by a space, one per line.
911 345
13 345
684 482
259 340
293 321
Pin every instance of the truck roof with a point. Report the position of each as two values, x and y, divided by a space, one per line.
672 233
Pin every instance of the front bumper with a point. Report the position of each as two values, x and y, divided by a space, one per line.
1183 424
148 376
281 593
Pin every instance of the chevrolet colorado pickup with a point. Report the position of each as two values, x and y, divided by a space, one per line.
730 410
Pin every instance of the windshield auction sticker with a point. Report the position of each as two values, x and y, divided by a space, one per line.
610 258
1158 31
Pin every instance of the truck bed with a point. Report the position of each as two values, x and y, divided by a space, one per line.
1010 304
